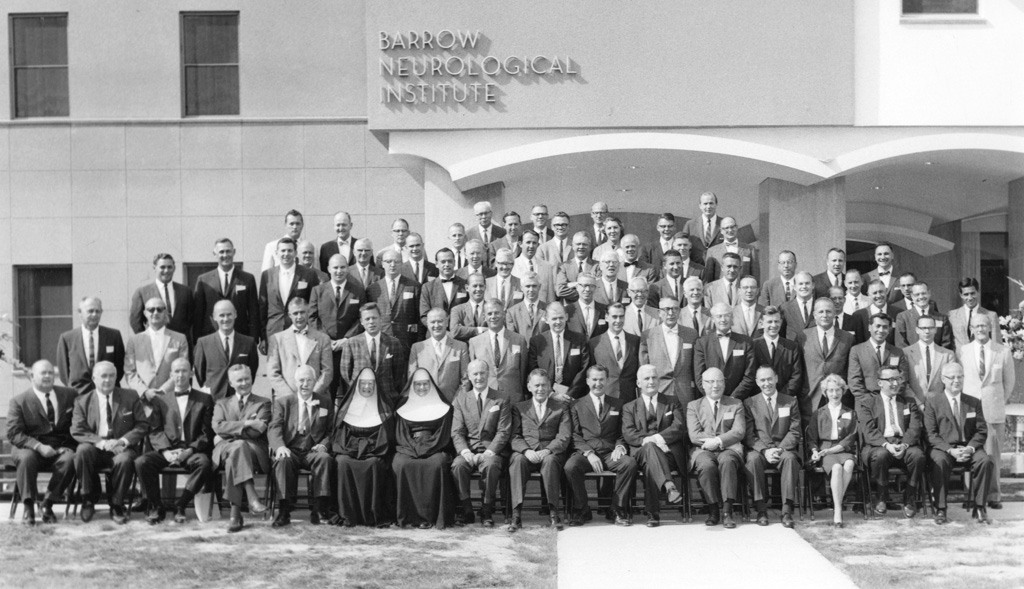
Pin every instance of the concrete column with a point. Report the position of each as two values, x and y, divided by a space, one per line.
444 204
1015 229
807 220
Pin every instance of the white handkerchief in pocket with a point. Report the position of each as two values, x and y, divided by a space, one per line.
493 408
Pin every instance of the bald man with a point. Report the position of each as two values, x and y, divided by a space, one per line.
80 349
363 270
307 258
344 242
398 298
485 230
218 351
562 353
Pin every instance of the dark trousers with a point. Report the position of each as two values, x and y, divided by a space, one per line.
89 460
625 470
149 465
286 473
28 462
657 467
718 474
550 472
878 461
982 469
489 467
336 388
788 467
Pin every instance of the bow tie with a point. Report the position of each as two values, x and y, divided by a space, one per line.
628 264
721 335
886 273
301 331
447 280
182 394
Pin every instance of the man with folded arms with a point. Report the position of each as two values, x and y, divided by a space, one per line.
717 426
772 439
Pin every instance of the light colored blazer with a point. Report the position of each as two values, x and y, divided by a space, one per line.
515 290
283 359
142 370
923 383
715 292
997 386
731 425
448 372
739 321
958 320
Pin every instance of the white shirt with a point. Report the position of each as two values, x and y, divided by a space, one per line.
304 344
610 289
522 266
830 332
930 347
959 402
886 279
671 342
447 286
854 301
344 249
168 293
539 409
101 399
182 404
723 345
42 400
558 343
769 342
392 285
221 274
733 247
889 407
373 343
588 313
270 258
835 413
230 337
665 245
597 402
158 340
284 281
439 346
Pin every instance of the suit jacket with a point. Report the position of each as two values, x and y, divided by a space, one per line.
669 423
749 264
515 290
773 292
243 295
893 292
72 361
655 257
484 270
181 319
478 431
596 433
497 232
129 418
229 426
788 364
338 319
509 376
793 316
738 364
818 364
283 360
170 430
545 275
575 359
374 273
284 424
553 433
432 296
621 373
142 370
663 288
819 429
463 323
822 283
399 318
390 369
677 380
576 322
273 311
517 318
921 382
739 321
716 292
958 322
694 228
871 420
650 316
905 329
763 433
862 375
730 425
861 319
997 385
549 252
329 248
28 426
566 275
450 371
941 427
211 365
704 321
428 270
493 247
641 269
621 292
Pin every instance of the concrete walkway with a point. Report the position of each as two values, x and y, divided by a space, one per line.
692 555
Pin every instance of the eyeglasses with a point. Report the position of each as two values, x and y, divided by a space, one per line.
893 380
155 309
559 224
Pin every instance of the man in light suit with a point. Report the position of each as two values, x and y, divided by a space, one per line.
344 243
844 320
80 349
652 252
619 352
885 273
725 289
668 347
481 432
240 445
598 446
704 231
749 264
558 249
640 315
879 304
226 282
503 286
416 267
694 314
299 436
957 432
798 312
569 271
610 288
505 352
485 230
467 319
457 243
772 438
399 298
447 292
444 357
786 357
826 351
527 316
989 376
294 223
834 274
148 355
867 357
730 352
780 289
925 360
598 213
108 423
39 429
476 261
513 232
632 266
218 351
586 316
563 354
960 318
717 427
306 257
374 350
278 286
176 297
541 223
746 315
854 298
529 262
300 345
541 438
363 271
334 311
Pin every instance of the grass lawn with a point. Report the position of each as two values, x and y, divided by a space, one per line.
102 554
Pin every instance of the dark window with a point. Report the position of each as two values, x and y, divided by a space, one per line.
193 270
209 60
940 6
995 288
44 309
39 65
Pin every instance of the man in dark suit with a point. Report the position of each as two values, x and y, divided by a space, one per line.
505 352
598 445
844 320
541 225
705 230
226 282
306 257
180 434
374 350
773 439
879 304
527 316
668 347
417 268
344 243
586 316
885 273
826 351
709 271
39 428
563 354
781 289
447 292
481 432
334 311
906 321
640 315
485 230
278 286
834 274
866 358
619 353
108 424
364 271
569 271
891 426
444 357
467 320
784 356
399 298
217 352
652 252
598 213
749 263
653 427
476 261
80 349
513 231
798 312
672 279
300 345
956 429
299 436
717 427
632 266
541 437
730 352
177 297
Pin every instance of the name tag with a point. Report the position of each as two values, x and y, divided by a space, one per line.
972 415
110 349
687 346
243 355
737 353
611 413
602 322
388 357
517 295
407 294
574 351
493 408
894 361
240 288
322 413
460 295
847 415
906 411
515 349
783 411
413 328
728 411
302 284
746 258
938 323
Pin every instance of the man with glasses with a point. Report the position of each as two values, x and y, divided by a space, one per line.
926 359
570 270
717 426
399 234
558 249
484 230
399 297
598 213
867 357
148 355
652 252
610 289
668 347
640 316
781 289
731 244
539 216
503 286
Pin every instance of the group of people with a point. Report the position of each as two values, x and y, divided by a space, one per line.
521 348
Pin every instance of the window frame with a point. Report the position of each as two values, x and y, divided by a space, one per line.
12 74
942 18
19 270
182 15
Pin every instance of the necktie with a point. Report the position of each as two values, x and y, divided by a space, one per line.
167 298
497 352
789 293
771 350
533 310
337 295
226 282
227 348
970 335
652 416
824 344
476 314
501 290
696 321
707 231
486 235
878 348
393 288
807 313
600 406
892 417
728 290
241 405
609 288
416 270
981 362
581 266
362 272
438 350
856 302
561 251
640 318
957 417
458 261
714 413
304 417
771 409
51 415
531 266
675 288
928 361
586 319
480 404
110 417
540 412
373 353
92 349
618 349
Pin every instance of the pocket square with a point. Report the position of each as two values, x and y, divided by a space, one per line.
493 409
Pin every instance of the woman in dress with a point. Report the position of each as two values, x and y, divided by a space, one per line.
422 462
362 443
831 436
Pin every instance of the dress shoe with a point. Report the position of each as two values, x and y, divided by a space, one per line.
653 521
257 508
576 519
235 524
587 515
728 522
787 520
881 508
30 513
460 520
487 517
840 525
909 510
48 516
517 524
314 517
179 516
140 505
995 504
425 525
622 520
120 515
544 510
556 521
979 515
282 519
940 516
762 518
674 496
88 511
714 517
156 516
610 514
